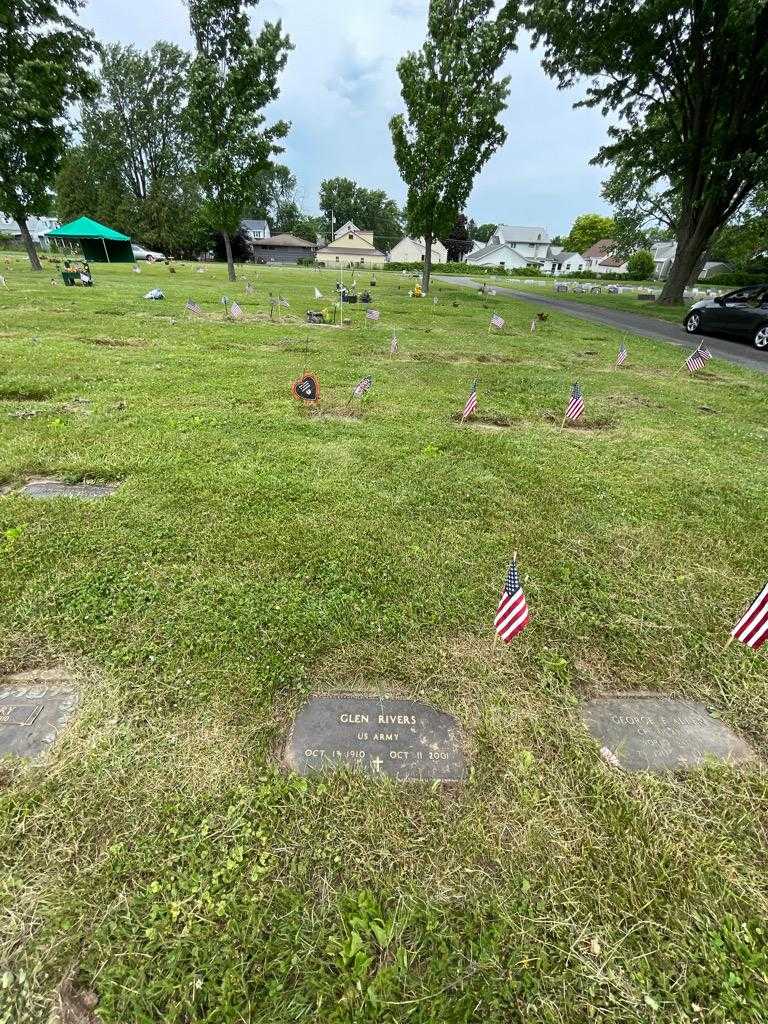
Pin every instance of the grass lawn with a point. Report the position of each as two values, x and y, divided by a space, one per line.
161 859
628 302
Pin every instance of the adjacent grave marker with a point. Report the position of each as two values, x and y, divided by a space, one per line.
405 739
34 708
44 488
646 734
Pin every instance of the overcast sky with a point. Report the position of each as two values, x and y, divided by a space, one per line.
340 88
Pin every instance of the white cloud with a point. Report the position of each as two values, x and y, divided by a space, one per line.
340 89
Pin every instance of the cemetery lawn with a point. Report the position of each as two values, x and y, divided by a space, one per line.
629 303
255 553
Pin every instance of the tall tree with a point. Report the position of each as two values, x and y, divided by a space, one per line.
453 100
457 242
369 209
482 232
587 229
132 167
688 80
43 72
233 77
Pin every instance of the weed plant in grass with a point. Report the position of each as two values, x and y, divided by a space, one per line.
161 858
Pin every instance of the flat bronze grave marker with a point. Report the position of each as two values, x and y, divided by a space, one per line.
34 708
49 488
651 734
404 739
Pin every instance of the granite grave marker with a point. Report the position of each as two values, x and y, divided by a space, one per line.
404 739
647 734
46 488
34 708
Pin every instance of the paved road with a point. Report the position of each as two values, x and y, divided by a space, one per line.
632 323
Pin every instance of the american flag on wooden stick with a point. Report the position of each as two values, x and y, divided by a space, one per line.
575 407
235 310
283 302
696 360
363 387
393 345
471 405
497 321
622 356
193 307
512 612
533 325
752 627
372 314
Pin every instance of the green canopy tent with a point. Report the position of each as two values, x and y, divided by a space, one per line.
99 243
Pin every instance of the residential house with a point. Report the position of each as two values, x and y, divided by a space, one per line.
664 256
284 249
38 227
600 259
255 230
511 246
413 250
559 261
351 247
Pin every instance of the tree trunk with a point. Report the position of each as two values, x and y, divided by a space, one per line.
691 244
427 270
30 245
230 262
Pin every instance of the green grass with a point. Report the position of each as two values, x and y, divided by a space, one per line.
255 554
628 302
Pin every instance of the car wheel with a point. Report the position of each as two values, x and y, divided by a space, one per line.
693 323
150 259
761 337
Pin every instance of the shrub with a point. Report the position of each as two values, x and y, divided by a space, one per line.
641 265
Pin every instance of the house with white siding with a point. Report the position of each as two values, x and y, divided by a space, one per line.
413 250
350 247
512 246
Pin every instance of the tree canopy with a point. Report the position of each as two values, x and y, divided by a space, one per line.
44 55
453 100
232 78
370 209
688 83
587 229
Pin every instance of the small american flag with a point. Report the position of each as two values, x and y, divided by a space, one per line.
497 321
533 326
695 361
752 627
248 288
235 310
193 307
512 612
283 302
318 293
363 387
372 314
471 405
393 346
576 405
2 281
621 358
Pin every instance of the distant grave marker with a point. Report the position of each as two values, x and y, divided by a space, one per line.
34 708
404 739
45 488
647 734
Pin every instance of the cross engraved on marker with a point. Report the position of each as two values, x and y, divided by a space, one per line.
377 763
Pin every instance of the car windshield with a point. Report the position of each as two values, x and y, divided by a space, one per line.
753 294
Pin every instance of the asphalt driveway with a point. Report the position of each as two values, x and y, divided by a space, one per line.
632 323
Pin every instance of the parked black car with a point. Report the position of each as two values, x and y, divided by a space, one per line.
741 314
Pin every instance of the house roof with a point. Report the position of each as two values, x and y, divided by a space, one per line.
563 257
284 239
602 248
515 233
490 250
612 261
254 225
347 250
420 242
84 227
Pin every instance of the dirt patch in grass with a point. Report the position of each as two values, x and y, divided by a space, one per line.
493 424
594 425
33 394
633 400
460 357
114 342
73 1005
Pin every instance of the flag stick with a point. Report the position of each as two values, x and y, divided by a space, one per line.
562 425
728 642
